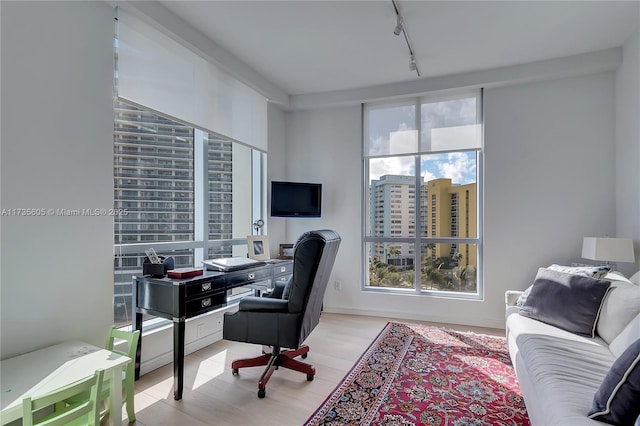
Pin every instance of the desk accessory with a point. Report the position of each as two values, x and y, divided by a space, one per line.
258 247
158 270
286 251
152 256
185 273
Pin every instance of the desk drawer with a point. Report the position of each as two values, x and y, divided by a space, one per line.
196 289
154 296
204 304
241 277
283 269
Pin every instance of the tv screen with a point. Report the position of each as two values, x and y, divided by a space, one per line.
295 199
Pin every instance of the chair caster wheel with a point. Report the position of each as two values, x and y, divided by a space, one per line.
310 378
262 393
235 372
304 356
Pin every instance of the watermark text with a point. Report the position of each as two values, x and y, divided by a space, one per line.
58 212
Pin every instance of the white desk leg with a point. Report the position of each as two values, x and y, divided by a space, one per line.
115 399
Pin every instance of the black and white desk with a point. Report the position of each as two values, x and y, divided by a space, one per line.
180 299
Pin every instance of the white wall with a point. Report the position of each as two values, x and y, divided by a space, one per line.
549 175
276 170
628 148
324 146
57 153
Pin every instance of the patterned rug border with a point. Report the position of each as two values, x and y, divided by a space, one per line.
357 366
338 392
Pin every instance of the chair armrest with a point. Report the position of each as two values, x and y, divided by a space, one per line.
263 304
278 290
511 297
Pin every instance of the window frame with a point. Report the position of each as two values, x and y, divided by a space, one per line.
417 240
201 244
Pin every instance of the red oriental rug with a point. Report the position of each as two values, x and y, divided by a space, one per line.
414 374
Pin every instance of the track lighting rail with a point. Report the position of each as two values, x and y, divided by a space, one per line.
401 27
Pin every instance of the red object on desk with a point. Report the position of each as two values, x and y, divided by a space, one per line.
184 272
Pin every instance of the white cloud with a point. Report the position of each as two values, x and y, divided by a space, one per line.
379 146
459 168
428 176
401 141
390 166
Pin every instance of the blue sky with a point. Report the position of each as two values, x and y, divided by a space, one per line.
460 167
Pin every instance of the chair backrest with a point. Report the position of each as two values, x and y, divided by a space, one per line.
132 345
84 411
313 258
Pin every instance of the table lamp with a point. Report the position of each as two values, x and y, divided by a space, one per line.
608 250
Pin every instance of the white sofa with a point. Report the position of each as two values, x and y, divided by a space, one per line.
559 372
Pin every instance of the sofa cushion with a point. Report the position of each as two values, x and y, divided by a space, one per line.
616 401
617 276
626 337
620 306
570 302
558 371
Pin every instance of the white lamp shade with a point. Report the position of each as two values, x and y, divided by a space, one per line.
608 249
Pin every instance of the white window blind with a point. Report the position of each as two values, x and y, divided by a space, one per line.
390 129
451 124
159 73
445 125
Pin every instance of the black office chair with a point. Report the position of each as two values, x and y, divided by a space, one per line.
290 313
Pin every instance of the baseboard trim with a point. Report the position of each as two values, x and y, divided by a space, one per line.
159 353
167 357
476 322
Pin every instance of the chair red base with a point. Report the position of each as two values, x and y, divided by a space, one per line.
273 360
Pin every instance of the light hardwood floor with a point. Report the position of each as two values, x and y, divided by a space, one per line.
213 396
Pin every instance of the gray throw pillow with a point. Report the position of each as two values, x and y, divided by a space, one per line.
617 401
586 271
567 301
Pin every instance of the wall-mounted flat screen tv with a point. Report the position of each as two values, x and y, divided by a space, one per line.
296 199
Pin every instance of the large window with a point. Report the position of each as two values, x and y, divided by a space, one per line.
187 193
423 195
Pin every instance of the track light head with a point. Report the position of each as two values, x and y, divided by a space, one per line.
412 63
398 29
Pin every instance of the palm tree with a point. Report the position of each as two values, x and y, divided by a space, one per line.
464 275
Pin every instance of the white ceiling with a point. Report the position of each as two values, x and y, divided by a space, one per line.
308 47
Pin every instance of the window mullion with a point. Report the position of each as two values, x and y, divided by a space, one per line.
201 213
417 204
